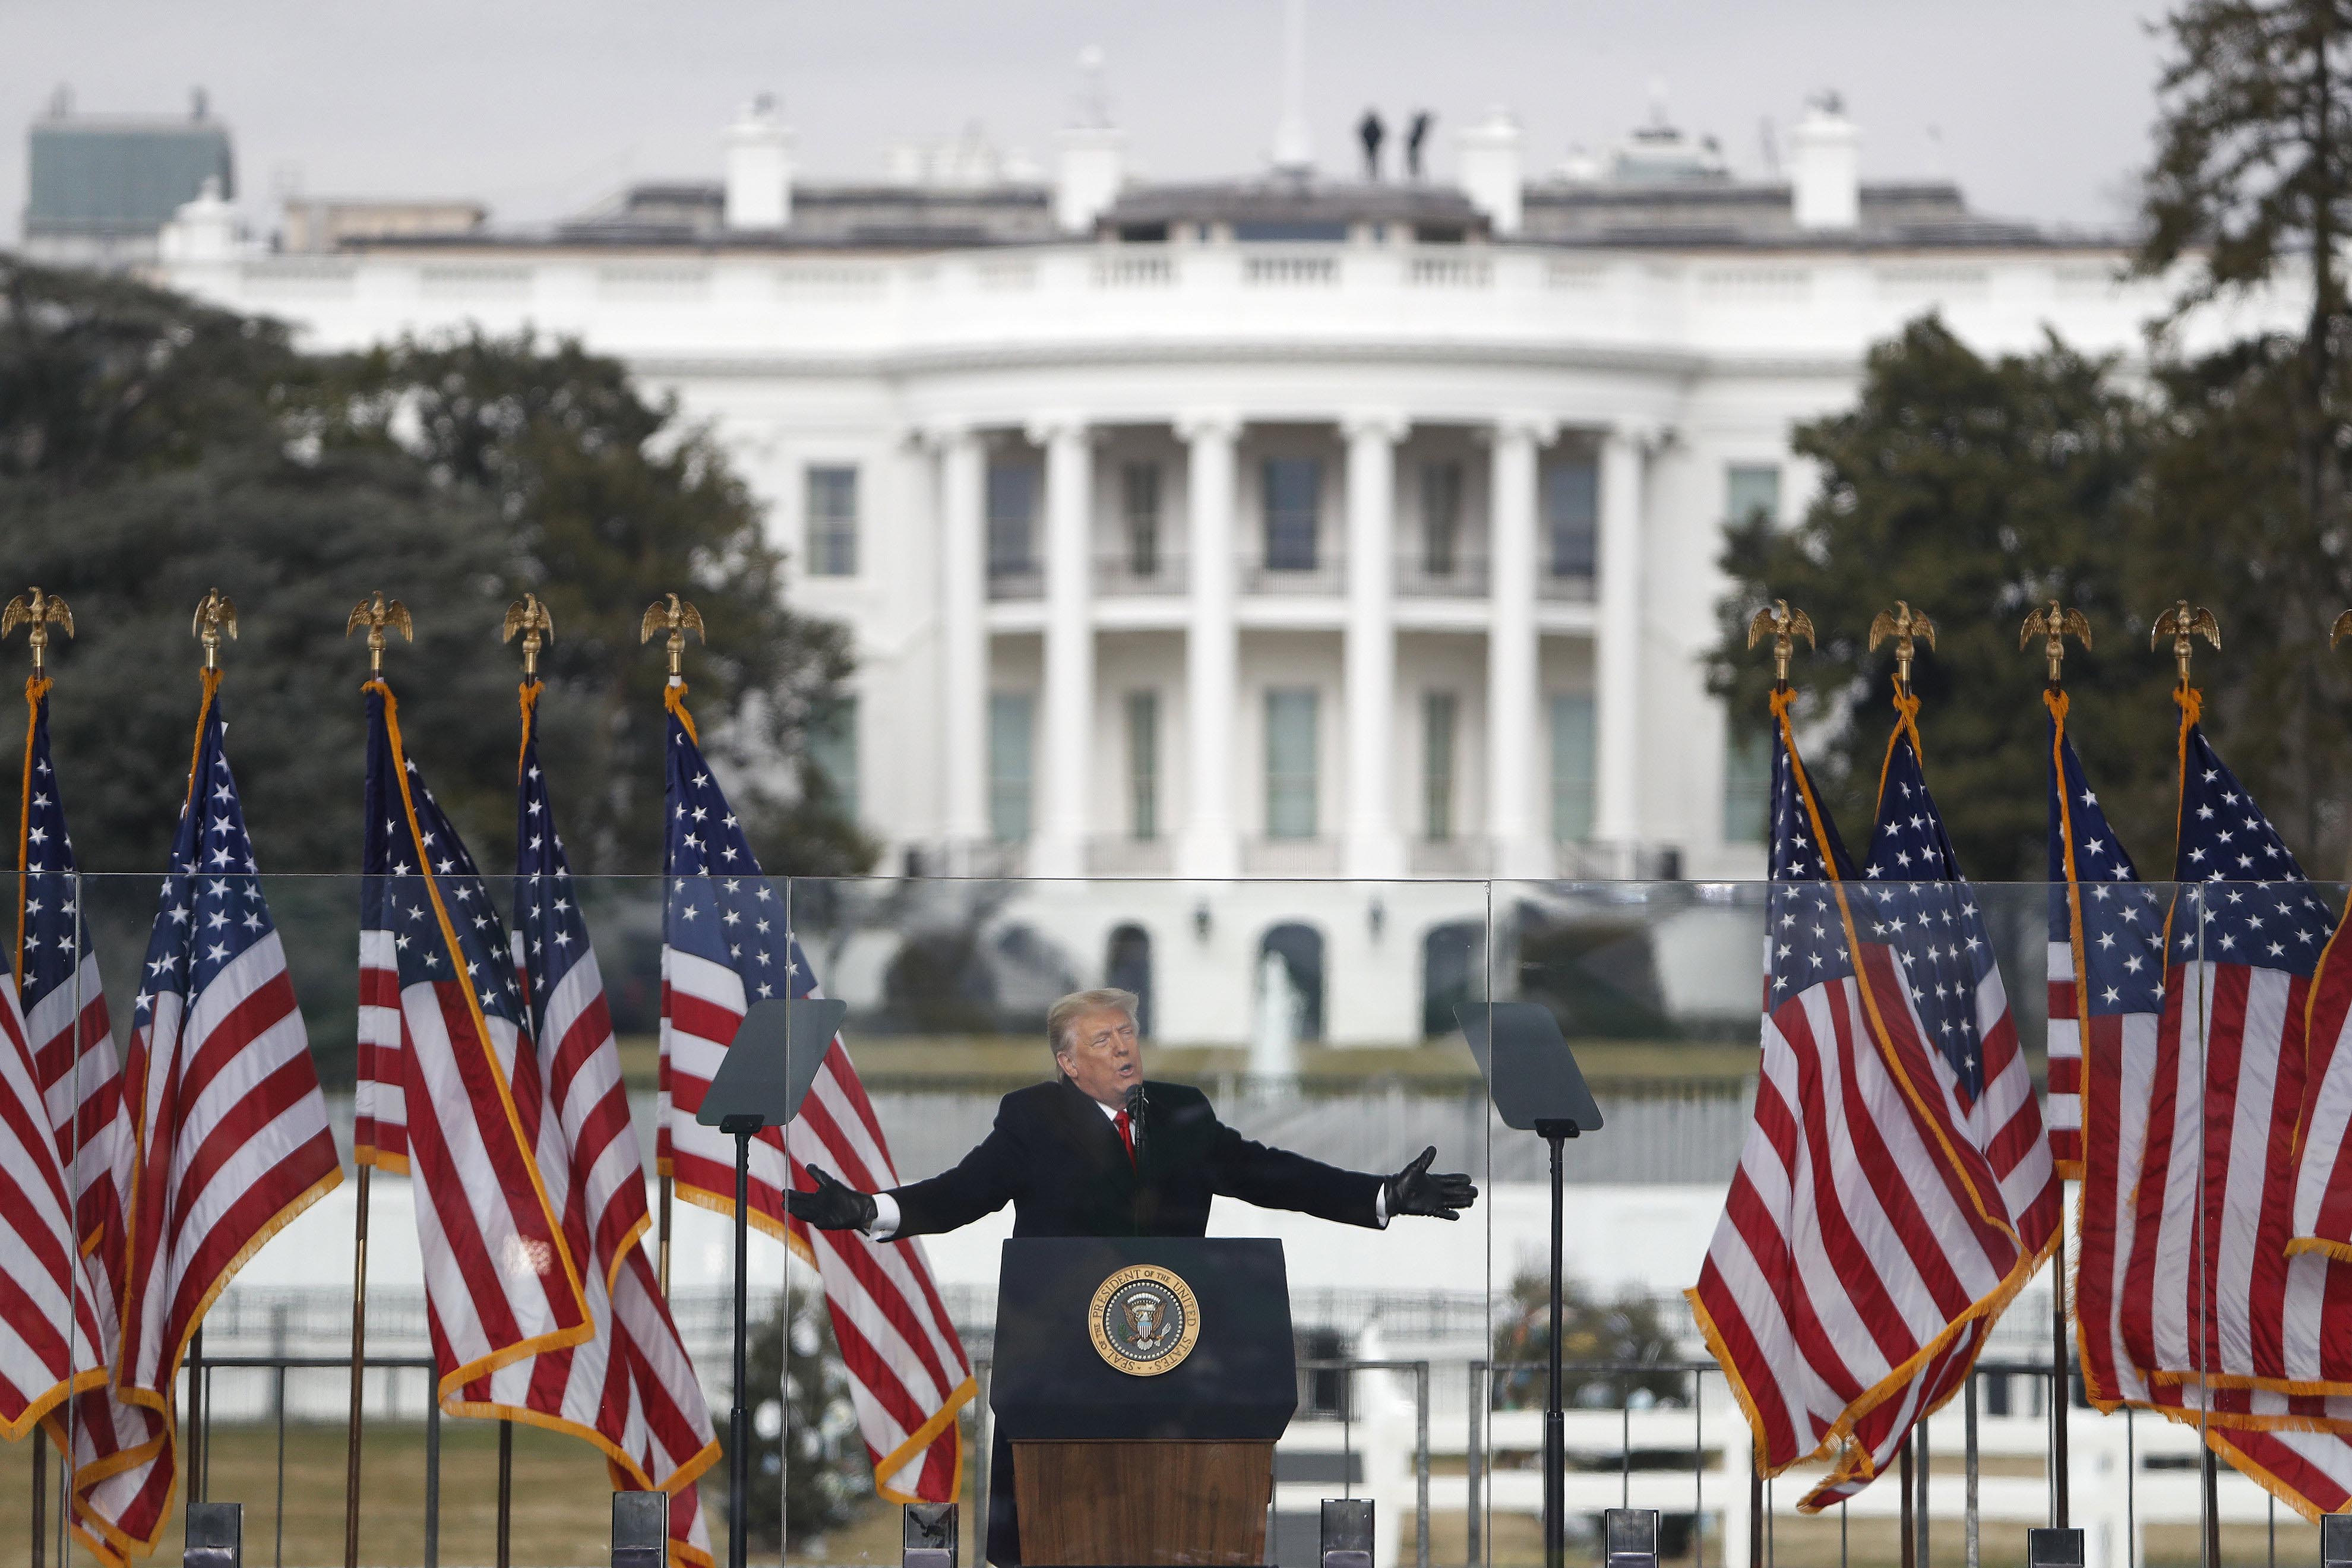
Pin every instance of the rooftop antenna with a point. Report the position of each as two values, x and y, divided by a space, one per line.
1294 143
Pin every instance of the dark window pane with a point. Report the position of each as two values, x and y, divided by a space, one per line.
1571 502
1294 489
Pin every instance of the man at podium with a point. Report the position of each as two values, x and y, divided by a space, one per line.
1100 1152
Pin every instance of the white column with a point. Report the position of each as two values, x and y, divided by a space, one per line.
1617 647
1373 846
963 639
1209 845
1065 755
1521 839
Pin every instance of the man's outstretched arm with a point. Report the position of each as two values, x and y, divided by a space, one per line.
1279 1179
980 1184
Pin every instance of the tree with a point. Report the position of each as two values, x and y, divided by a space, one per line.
1976 489
2252 174
150 448
827 1479
2250 189
1604 1345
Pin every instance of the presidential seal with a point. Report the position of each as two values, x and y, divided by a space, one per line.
1145 1321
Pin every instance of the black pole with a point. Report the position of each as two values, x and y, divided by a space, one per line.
2062 1390
1909 1525
2212 1542
40 1496
738 1467
506 1494
1555 1423
192 1454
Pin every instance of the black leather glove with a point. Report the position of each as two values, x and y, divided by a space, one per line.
833 1205
1414 1191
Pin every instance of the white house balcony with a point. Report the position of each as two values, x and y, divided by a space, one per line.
1325 577
1461 575
1128 574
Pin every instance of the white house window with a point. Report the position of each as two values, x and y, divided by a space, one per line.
1751 491
1439 716
1294 495
1571 515
1290 770
1440 518
831 522
1747 785
1012 518
1010 715
1571 766
1139 493
1143 764
833 750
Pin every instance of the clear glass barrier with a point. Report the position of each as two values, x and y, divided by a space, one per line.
1314 1016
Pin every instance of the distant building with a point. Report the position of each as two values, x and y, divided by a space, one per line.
100 187
1276 527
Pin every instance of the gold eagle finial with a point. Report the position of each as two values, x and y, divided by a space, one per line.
1784 626
2341 629
2055 625
675 615
378 614
537 625
1905 625
38 612
215 615
2181 623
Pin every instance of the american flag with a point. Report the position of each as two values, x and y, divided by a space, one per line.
2146 1011
1865 1228
2210 1296
58 982
500 1282
122 1471
1923 911
2107 997
631 1390
232 1133
726 943
51 1341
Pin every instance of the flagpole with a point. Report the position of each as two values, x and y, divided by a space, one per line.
2053 625
676 616
1784 626
375 612
530 619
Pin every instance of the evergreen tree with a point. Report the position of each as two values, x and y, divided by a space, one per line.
1976 489
2251 189
827 1481
151 447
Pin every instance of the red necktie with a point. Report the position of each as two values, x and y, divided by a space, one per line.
1126 1134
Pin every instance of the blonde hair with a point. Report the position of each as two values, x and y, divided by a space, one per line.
1078 1005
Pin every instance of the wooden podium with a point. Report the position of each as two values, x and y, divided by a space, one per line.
1113 1466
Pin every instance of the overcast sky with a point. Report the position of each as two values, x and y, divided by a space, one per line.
2039 108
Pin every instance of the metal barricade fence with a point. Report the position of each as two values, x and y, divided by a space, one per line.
1619 1455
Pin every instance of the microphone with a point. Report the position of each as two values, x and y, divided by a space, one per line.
1136 1107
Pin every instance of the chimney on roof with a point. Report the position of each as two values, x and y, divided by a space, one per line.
1089 177
1826 166
1490 169
759 168
202 231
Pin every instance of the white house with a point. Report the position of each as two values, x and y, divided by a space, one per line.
1279 527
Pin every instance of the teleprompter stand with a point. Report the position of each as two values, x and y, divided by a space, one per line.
760 1083
1532 1078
